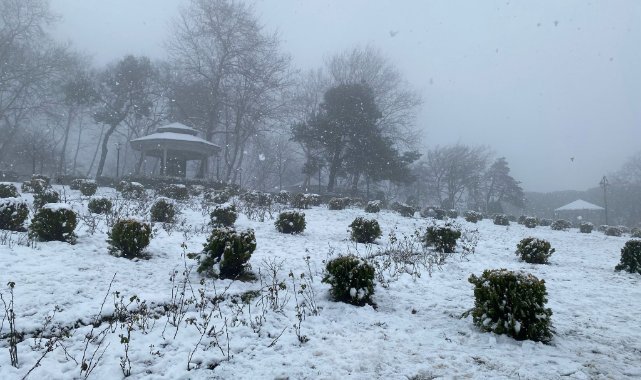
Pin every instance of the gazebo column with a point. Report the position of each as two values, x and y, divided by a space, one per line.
163 167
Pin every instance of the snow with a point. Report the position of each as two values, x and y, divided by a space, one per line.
579 204
173 136
415 329
57 206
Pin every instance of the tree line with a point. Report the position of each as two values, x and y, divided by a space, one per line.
347 126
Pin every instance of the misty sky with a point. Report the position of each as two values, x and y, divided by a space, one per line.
541 82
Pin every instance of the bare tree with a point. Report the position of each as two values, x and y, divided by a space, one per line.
235 69
30 62
447 172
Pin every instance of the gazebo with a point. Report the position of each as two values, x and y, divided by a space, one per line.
581 210
174 144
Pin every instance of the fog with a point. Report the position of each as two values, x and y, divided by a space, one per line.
552 86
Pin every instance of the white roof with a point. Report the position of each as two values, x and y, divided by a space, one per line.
579 204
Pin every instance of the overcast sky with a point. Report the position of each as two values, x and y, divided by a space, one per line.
541 82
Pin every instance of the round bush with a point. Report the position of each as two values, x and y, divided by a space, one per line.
88 187
336 204
630 257
75 183
501 220
128 238
34 186
613 231
224 215
530 222
442 238
218 197
54 222
624 229
99 205
8 190
163 211
13 214
373 207
365 230
351 280
403 209
545 222
229 250
534 251
511 303
521 219
290 222
473 216
282 197
257 198
452 214
561 225
130 190
586 227
635 233
44 197
175 191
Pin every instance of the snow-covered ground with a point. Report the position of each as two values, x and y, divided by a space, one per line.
415 331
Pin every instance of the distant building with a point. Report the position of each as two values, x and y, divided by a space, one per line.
581 211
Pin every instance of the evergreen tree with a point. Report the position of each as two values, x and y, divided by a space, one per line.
500 186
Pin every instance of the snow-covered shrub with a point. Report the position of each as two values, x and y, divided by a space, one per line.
290 222
227 252
403 209
301 201
223 215
163 210
75 183
630 257
176 191
613 231
13 213
365 230
88 187
602 228
534 251
521 219
545 222
511 303
257 198
282 197
586 227
351 280
635 232
530 222
130 190
473 216
439 213
44 197
128 238
561 225
195 190
54 222
442 238
99 205
214 196
35 185
501 220
624 229
452 214
41 177
8 190
373 206
337 203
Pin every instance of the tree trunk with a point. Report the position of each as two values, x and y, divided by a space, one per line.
75 156
63 151
355 179
105 150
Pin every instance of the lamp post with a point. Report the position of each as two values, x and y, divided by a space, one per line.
604 184
117 159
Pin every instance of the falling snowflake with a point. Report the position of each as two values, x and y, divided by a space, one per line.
261 157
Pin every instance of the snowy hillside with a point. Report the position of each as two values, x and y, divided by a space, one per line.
253 330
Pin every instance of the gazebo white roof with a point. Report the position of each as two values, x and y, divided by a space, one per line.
579 204
177 138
